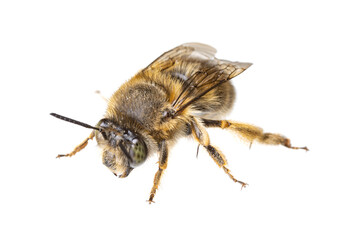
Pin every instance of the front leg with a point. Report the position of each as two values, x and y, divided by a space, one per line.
79 147
163 150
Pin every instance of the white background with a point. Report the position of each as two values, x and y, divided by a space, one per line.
303 84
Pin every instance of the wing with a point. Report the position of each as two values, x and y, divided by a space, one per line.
195 64
175 56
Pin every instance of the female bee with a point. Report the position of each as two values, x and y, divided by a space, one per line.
183 92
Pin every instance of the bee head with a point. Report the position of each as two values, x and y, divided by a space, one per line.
122 148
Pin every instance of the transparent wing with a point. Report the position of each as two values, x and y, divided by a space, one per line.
205 80
175 56
195 64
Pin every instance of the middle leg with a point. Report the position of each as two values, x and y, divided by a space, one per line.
201 135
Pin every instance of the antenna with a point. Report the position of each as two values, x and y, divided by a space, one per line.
74 121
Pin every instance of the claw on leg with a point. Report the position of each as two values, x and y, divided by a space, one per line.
150 201
288 145
227 171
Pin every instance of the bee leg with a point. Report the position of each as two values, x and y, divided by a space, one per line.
197 150
251 133
79 147
163 150
201 135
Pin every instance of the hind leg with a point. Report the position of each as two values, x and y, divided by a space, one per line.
251 133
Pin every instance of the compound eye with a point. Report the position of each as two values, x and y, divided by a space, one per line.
138 152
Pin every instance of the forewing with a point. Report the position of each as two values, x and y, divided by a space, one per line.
196 65
206 79
175 57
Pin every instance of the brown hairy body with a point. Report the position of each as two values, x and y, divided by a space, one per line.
147 97
183 92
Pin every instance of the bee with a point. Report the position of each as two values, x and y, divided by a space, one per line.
181 93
